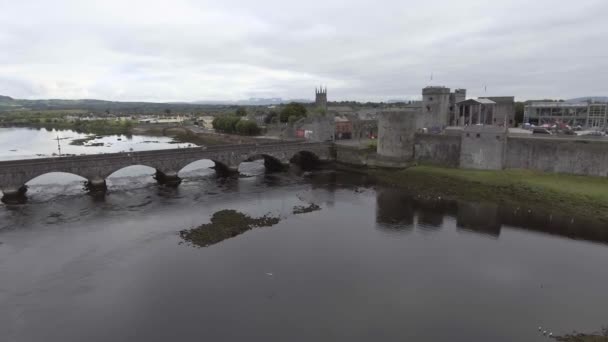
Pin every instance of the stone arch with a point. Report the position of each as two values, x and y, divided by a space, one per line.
108 174
306 160
271 163
220 168
16 193
31 178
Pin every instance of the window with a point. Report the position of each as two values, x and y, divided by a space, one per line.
478 135
430 99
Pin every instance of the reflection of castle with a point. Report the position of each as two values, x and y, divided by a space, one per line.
394 210
399 211
479 218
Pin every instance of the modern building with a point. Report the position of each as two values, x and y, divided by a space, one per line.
587 115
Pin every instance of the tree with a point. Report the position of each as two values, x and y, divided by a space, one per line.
293 109
226 124
271 117
168 111
240 111
246 127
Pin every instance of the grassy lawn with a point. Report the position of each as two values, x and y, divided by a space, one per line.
576 195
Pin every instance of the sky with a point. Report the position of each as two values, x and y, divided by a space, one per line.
181 50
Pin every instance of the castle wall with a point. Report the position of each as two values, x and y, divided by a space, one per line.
581 157
396 134
482 147
437 149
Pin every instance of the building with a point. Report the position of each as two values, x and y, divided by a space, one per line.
439 107
504 110
321 99
475 112
344 127
587 115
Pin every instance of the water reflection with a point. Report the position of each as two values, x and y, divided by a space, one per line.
480 218
397 210
394 211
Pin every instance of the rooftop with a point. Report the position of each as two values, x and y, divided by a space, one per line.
477 101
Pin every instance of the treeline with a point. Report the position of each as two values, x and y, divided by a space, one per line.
235 125
99 127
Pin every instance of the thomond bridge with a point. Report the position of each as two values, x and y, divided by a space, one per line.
15 174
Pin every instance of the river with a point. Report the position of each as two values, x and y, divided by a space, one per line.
373 263
27 143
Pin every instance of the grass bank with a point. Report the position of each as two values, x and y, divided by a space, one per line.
579 196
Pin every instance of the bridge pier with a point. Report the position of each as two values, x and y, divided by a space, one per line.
15 195
96 185
169 178
274 165
223 170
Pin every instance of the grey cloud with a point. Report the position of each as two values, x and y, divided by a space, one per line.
204 50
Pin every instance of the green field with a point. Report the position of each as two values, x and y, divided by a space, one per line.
573 195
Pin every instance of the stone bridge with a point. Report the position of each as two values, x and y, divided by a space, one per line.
15 174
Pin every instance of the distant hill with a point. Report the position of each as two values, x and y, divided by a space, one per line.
100 106
254 102
589 98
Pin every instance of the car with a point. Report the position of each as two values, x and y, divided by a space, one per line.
541 131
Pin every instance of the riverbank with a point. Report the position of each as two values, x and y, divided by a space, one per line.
185 134
576 196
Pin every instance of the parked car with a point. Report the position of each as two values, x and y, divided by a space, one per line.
539 130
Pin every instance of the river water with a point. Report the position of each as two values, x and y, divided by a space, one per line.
27 143
374 263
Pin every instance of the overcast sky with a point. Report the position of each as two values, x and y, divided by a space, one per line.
182 50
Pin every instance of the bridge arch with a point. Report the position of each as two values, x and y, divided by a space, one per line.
129 175
54 176
271 163
51 179
306 160
221 169
147 169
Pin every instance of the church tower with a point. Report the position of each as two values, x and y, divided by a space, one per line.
321 99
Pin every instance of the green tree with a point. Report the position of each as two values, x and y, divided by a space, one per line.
226 124
293 109
240 111
271 117
246 127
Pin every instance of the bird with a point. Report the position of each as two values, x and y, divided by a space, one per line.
544 332
540 328
550 334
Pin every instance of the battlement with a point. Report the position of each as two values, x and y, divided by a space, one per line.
435 90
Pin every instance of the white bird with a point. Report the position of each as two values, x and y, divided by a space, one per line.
540 328
550 334
545 332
